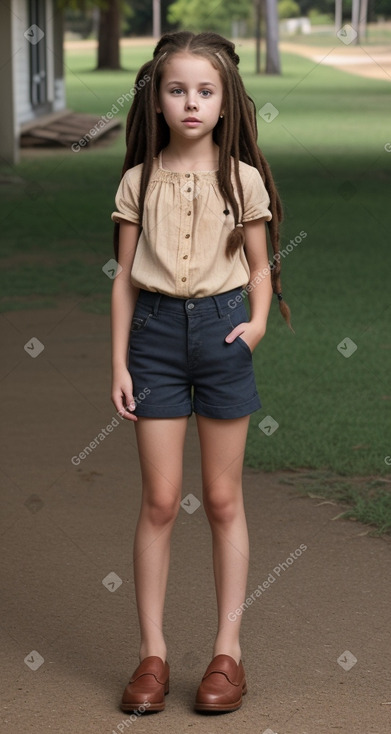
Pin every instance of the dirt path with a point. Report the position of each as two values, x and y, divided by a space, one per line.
368 61
316 636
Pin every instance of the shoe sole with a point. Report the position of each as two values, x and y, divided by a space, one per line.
152 707
160 706
218 707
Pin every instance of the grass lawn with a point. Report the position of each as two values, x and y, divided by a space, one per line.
327 150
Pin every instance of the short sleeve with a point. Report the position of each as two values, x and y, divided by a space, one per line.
127 198
256 198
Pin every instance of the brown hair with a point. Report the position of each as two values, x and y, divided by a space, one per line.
236 134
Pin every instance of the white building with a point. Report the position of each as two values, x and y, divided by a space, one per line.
31 67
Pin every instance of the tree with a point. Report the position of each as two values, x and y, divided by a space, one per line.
109 35
209 15
139 18
273 65
108 27
338 15
362 24
288 9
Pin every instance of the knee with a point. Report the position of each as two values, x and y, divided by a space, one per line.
161 508
221 506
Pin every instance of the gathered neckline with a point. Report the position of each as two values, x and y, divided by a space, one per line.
179 173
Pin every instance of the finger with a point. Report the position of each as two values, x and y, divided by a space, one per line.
125 412
237 331
129 416
124 404
118 404
130 404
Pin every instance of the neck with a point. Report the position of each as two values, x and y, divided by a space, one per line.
195 155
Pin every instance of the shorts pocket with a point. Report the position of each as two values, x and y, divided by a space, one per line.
139 322
243 344
239 316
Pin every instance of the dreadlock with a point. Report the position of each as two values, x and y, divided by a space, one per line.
236 134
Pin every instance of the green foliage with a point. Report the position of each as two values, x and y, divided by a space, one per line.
288 9
208 15
318 18
139 22
368 500
382 8
322 6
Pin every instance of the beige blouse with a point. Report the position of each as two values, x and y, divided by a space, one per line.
181 248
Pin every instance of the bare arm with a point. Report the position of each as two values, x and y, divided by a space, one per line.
123 301
260 286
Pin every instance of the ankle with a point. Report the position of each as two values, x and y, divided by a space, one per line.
233 651
146 650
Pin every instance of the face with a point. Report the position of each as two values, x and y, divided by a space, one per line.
190 87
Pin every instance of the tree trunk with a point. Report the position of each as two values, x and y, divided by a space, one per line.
258 23
355 20
108 36
362 26
156 19
338 15
273 65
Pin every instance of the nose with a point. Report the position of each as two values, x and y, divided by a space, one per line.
191 102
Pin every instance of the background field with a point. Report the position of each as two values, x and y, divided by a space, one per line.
327 151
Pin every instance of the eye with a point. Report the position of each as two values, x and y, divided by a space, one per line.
208 92
173 91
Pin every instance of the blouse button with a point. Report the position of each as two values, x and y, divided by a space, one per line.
188 214
187 236
184 280
189 188
187 175
185 257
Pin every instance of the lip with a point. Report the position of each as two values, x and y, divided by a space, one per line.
191 119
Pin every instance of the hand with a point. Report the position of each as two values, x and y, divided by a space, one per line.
249 332
122 393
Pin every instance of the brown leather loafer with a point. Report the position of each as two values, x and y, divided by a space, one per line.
222 686
147 686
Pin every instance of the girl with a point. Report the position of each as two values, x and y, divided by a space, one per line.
190 234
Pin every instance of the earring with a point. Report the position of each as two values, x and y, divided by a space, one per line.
221 115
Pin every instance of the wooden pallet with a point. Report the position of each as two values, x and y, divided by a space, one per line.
66 129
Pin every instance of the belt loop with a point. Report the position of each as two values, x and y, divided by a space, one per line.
220 311
226 301
156 303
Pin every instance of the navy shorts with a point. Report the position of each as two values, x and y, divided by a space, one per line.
179 360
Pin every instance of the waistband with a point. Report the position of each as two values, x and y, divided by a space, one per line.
223 303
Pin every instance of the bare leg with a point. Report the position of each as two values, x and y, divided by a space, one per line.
222 449
160 445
